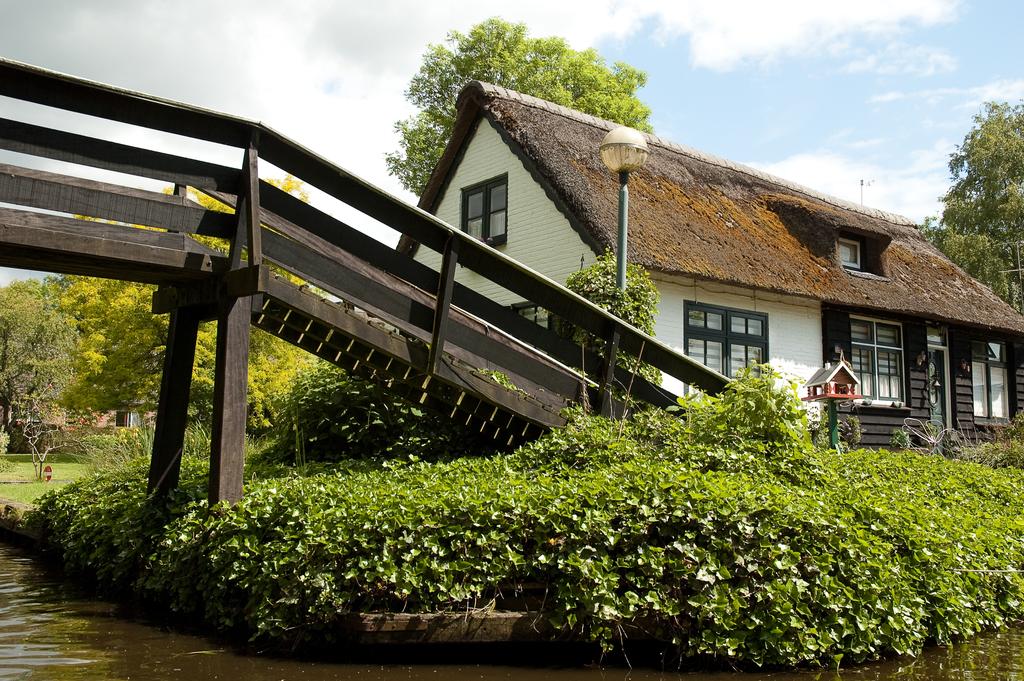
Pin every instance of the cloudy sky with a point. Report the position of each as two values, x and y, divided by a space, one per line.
829 94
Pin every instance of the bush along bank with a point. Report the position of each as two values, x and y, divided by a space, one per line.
723 533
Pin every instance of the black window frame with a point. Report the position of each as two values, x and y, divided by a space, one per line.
874 347
988 364
485 188
726 336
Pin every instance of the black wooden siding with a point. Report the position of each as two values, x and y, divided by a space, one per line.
878 422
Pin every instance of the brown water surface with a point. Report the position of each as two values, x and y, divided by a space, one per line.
47 631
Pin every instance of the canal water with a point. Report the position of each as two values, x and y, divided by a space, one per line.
48 631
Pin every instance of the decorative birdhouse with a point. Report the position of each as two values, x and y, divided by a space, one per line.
832 385
836 382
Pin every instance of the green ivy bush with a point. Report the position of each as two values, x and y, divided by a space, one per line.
637 305
330 416
723 533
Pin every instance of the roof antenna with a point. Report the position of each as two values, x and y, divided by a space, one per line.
864 183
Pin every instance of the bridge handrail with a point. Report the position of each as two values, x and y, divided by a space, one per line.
50 88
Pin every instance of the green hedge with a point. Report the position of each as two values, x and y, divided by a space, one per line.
755 549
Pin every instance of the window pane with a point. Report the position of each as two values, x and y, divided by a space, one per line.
754 355
713 356
936 335
864 366
475 227
995 352
738 324
737 358
861 330
754 327
978 384
498 197
849 253
497 227
888 335
475 204
696 318
889 375
1000 404
714 321
979 350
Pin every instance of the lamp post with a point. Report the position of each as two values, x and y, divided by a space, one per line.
623 150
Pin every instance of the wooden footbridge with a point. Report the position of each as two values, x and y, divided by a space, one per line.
363 306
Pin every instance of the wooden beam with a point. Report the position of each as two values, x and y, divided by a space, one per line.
608 374
444 300
57 244
67 194
172 412
230 394
33 84
58 145
247 209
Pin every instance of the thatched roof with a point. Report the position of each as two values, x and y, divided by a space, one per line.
696 215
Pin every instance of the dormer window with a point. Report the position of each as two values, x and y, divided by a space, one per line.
485 210
851 254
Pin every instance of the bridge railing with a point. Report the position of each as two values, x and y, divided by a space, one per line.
259 201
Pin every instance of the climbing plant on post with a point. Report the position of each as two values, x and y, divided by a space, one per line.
637 304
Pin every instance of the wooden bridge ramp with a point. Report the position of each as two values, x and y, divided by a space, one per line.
298 273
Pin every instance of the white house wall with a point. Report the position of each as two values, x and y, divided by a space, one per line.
539 235
794 324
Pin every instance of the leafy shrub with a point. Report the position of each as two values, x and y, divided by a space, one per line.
900 439
1005 451
331 416
752 548
637 305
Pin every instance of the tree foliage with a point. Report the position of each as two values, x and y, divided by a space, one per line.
36 342
504 54
987 196
983 217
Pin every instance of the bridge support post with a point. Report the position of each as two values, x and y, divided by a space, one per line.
172 412
230 393
606 401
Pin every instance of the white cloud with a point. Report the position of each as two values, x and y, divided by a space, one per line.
912 189
1008 90
897 59
725 34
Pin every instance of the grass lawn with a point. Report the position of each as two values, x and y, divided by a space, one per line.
16 482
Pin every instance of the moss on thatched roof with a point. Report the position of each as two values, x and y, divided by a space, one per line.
699 216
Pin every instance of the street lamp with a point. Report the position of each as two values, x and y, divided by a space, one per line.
623 150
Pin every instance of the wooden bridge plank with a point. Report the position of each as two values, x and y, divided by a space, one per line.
67 194
58 145
68 244
413 355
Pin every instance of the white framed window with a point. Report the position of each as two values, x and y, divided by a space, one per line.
850 254
878 358
989 380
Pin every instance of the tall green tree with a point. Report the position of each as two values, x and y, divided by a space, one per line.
36 342
983 218
503 53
